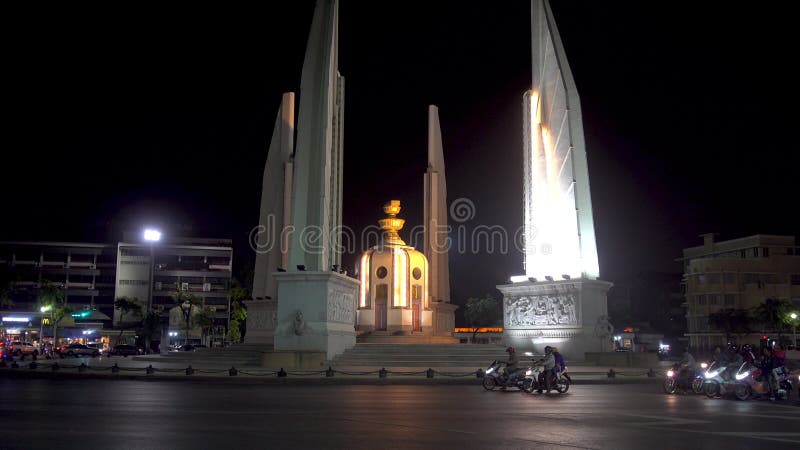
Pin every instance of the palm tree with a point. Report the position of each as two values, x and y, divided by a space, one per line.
126 306
52 298
771 314
187 303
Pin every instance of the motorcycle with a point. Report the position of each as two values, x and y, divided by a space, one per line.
497 376
715 383
672 381
534 380
752 382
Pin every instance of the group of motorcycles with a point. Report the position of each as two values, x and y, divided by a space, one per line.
719 380
534 380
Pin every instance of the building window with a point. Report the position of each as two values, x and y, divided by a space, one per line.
796 279
713 299
765 252
713 278
729 299
755 252
729 277
701 279
702 300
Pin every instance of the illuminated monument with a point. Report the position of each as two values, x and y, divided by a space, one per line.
559 300
302 303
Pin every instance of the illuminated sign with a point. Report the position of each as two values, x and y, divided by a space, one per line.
16 319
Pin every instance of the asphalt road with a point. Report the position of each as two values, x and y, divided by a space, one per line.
119 414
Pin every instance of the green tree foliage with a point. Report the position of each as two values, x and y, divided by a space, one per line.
190 305
127 306
731 321
53 299
772 314
481 312
7 280
151 326
237 295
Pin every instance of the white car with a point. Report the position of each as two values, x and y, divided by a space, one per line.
78 350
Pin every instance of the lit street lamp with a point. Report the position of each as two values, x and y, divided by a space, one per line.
793 316
151 236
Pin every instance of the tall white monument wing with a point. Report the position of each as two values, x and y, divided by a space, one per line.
436 245
275 202
559 227
317 175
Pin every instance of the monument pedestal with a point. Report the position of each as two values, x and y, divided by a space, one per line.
316 313
261 318
568 314
444 318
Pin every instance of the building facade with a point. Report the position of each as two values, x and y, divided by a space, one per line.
738 274
92 276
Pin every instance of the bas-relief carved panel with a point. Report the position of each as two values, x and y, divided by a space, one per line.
341 306
541 310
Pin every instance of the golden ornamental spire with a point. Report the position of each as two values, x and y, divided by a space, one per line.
392 224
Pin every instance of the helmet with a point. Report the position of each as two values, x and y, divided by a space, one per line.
510 350
548 349
733 348
747 348
554 349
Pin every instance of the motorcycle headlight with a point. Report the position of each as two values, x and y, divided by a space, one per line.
714 373
742 376
489 370
704 365
528 373
670 373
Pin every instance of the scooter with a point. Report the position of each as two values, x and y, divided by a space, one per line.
497 376
672 381
752 382
715 384
534 380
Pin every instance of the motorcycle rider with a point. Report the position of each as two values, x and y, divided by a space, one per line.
512 368
778 368
734 361
687 367
560 364
747 354
549 363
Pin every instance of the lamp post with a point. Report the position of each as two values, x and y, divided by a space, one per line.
151 236
794 316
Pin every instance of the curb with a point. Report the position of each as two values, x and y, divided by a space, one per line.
290 380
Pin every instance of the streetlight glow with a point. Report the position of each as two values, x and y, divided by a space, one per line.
793 316
152 235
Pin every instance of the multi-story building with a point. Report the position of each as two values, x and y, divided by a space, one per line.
92 276
736 274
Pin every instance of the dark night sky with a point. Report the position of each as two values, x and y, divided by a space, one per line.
125 117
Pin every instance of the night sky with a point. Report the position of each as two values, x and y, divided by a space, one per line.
120 118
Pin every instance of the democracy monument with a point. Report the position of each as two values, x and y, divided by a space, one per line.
306 309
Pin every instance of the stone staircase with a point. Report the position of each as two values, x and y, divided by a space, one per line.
237 355
386 337
471 356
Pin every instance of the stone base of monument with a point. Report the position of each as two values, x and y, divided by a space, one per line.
295 360
261 318
316 315
571 315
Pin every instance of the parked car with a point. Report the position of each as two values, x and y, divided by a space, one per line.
23 348
78 350
125 350
97 346
5 353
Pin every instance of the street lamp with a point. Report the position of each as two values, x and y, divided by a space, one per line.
151 236
43 310
793 316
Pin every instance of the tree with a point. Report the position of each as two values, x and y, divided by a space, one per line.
126 306
52 298
771 314
237 295
151 326
203 319
481 312
189 304
7 280
731 321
